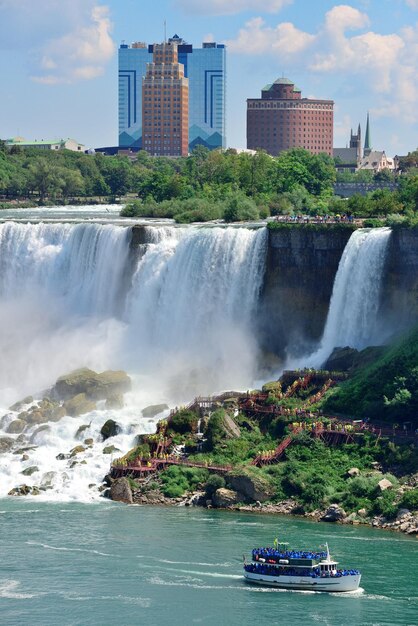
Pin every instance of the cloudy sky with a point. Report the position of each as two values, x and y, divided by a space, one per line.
58 61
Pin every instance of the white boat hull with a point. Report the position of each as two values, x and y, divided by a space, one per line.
343 583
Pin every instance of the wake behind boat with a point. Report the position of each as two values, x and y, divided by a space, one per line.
299 569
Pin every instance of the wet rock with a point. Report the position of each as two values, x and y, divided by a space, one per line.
224 498
77 450
110 429
62 457
197 499
110 450
121 491
25 457
154 409
95 386
16 427
334 513
384 484
18 405
81 430
30 470
47 481
114 402
89 442
79 405
24 490
6 444
25 449
36 417
354 471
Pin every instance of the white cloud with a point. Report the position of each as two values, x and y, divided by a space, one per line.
231 7
66 40
257 38
386 63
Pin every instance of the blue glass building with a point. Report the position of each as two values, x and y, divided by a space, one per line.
205 69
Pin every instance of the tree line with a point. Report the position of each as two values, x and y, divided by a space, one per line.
204 186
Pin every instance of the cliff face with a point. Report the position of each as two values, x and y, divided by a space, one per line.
300 272
400 284
301 266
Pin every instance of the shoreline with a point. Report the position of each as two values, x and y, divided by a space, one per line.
406 521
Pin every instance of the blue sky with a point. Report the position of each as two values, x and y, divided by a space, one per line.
58 61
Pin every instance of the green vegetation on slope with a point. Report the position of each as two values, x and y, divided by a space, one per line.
385 390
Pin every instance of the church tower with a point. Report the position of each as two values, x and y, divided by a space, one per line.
367 142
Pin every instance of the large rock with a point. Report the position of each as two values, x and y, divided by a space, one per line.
334 513
153 409
253 488
110 450
95 386
79 405
24 490
384 484
224 498
354 471
341 359
30 470
231 428
16 427
110 429
6 444
120 491
18 405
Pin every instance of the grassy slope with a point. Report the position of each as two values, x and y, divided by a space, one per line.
363 395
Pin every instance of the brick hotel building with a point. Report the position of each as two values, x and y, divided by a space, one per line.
165 104
282 119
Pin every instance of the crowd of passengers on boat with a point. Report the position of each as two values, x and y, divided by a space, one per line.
269 570
273 553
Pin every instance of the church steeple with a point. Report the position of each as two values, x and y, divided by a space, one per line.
367 142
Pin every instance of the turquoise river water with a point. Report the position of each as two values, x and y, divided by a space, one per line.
108 564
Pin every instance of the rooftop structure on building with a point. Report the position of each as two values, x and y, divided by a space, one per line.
165 104
281 119
205 69
47 144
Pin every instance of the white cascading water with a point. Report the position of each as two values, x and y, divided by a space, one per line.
180 326
353 313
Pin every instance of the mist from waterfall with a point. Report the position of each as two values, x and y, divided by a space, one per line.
179 318
353 312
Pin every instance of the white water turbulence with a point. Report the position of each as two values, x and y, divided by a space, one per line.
178 318
353 312
194 296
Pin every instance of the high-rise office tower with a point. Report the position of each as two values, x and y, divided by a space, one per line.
282 119
205 69
165 104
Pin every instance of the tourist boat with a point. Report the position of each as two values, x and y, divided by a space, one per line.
299 569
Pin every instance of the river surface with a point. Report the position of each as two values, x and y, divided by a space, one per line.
109 564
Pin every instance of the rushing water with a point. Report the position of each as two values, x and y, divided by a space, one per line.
178 318
110 564
353 312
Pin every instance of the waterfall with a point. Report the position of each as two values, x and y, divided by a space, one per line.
179 319
353 312
192 304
